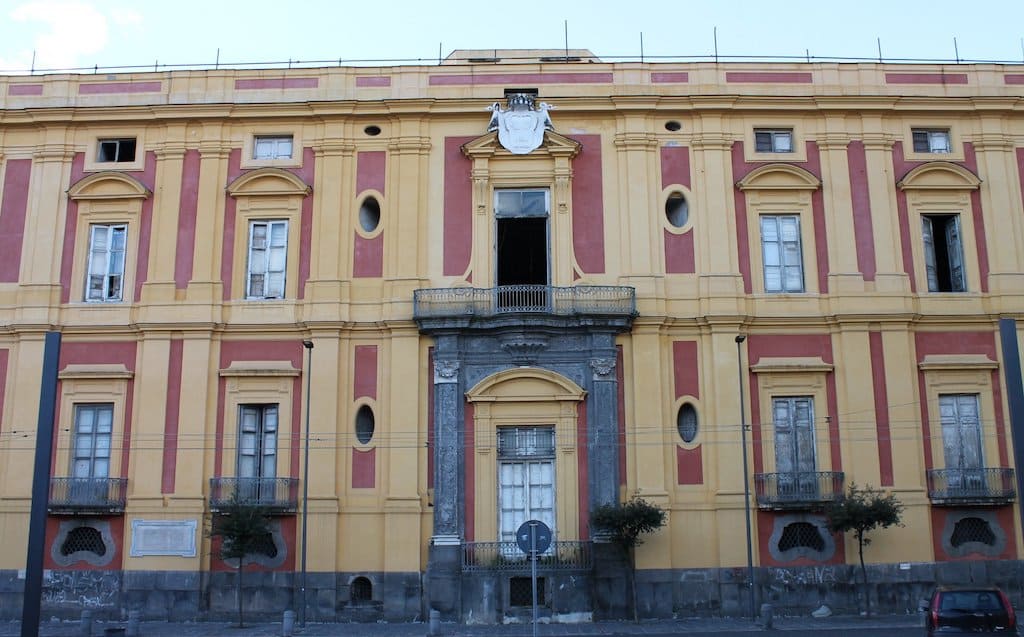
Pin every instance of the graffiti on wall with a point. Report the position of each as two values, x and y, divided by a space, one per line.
85 589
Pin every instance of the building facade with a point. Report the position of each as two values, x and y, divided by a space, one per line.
507 287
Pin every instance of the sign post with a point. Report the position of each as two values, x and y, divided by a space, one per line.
533 538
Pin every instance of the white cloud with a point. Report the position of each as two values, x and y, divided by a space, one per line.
126 17
68 32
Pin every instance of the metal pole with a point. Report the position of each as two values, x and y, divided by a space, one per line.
305 481
746 474
32 600
533 571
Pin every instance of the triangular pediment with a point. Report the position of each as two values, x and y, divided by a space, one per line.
554 145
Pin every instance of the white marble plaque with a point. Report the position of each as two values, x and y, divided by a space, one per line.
164 537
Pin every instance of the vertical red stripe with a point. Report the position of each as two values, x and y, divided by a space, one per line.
364 372
13 207
148 177
173 412
971 163
67 255
370 167
675 166
583 469
458 207
588 206
307 174
818 214
679 255
230 210
684 366
187 214
997 401
883 434
739 170
368 256
364 468
4 354
900 166
1020 172
689 466
863 231
469 455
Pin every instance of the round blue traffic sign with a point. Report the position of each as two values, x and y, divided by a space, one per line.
533 535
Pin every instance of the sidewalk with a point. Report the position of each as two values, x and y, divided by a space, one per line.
660 627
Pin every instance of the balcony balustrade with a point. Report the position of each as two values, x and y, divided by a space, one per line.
277 495
981 486
507 556
797 490
532 299
85 496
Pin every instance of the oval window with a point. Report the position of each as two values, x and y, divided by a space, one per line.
364 425
686 423
369 214
677 210
672 125
372 131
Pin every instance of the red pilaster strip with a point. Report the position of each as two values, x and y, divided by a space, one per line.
230 210
4 355
172 411
739 170
899 169
187 214
588 206
818 213
458 207
306 174
13 207
863 231
364 372
971 163
67 254
883 434
370 167
364 468
148 179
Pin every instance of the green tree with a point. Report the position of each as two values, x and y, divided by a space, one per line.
863 510
242 528
625 523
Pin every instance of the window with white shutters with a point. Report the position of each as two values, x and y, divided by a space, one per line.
795 456
105 277
781 253
267 147
962 443
526 478
943 253
268 259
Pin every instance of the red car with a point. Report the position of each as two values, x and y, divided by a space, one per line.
975 609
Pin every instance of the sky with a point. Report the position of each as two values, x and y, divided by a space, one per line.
67 34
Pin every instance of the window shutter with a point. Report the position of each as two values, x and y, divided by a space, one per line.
956 258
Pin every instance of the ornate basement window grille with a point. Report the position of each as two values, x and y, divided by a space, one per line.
361 590
83 538
801 535
520 591
972 530
265 546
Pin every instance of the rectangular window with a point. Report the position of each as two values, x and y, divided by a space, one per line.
943 253
795 455
773 140
272 147
105 277
781 252
268 259
90 457
257 452
962 443
931 140
526 478
120 150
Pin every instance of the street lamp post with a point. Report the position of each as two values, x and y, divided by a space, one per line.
305 483
746 473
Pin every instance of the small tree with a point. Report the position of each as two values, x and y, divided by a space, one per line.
625 523
242 528
863 510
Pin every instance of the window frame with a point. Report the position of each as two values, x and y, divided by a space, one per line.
94 437
951 130
957 283
783 275
263 439
267 259
118 143
255 134
929 134
106 274
274 141
774 134
532 456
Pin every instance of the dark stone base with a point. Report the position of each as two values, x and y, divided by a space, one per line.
486 598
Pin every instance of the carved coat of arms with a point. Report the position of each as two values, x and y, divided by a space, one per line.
520 126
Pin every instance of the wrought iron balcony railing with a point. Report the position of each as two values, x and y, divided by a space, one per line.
981 486
87 495
506 556
541 299
796 490
278 495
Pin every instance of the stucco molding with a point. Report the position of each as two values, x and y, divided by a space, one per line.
108 184
260 368
554 145
794 364
559 387
939 175
80 371
268 182
779 176
944 362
